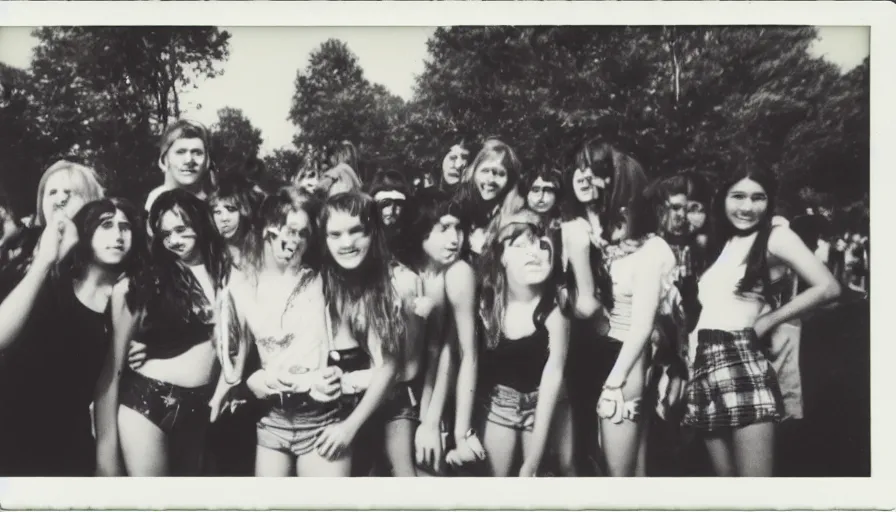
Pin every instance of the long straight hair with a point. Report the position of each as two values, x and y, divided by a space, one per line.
365 294
170 281
88 220
627 179
756 274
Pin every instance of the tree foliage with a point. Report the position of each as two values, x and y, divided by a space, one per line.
235 142
103 94
675 98
334 102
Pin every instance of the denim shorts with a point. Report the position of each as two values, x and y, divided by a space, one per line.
403 403
294 430
170 407
510 408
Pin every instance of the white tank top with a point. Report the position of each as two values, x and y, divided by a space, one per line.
723 307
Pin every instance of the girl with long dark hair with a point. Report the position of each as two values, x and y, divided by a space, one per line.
596 193
733 397
163 409
234 206
362 299
56 323
642 269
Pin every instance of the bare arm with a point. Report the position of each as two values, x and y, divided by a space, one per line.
441 368
460 286
549 387
124 324
787 247
578 247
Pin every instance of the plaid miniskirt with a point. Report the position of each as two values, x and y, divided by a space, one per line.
732 383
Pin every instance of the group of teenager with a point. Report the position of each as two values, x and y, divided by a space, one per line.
497 320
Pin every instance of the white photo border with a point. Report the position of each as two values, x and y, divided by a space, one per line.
876 492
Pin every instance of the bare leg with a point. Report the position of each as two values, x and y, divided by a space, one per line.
274 463
720 454
754 449
312 464
621 442
400 447
143 445
500 444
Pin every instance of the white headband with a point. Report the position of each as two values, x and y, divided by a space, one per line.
389 194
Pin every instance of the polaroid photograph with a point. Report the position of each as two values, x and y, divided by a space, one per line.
620 247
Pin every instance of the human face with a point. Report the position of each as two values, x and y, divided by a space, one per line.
696 215
227 218
179 237
62 193
347 240
675 215
746 204
527 259
542 196
442 245
490 178
308 181
289 241
583 184
390 204
112 239
454 163
186 162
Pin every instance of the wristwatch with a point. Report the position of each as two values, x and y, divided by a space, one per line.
470 433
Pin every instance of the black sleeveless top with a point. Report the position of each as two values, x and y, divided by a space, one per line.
517 363
169 333
48 378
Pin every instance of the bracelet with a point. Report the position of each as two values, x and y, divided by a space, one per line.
613 388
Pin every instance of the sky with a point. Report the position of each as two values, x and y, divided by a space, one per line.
260 74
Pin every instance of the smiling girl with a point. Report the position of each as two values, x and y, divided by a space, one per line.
733 394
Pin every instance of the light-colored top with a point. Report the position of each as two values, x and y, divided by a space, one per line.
723 307
654 251
289 330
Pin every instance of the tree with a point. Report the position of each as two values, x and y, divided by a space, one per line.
235 142
106 93
283 163
675 98
334 102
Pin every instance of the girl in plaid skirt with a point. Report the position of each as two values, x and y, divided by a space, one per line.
733 394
